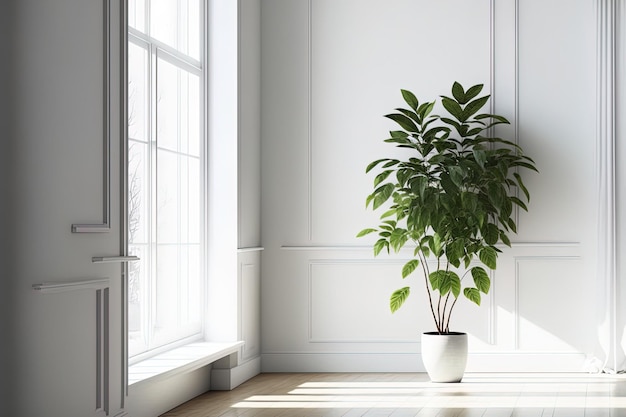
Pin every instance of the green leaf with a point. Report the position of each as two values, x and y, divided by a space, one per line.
512 225
480 156
409 267
410 99
405 122
458 93
495 194
491 234
505 239
500 119
380 245
382 177
365 232
472 294
455 251
373 164
519 202
398 298
521 185
435 244
411 115
473 92
488 256
436 278
481 279
398 238
418 185
445 282
453 282
382 194
425 109
456 175
453 108
524 164
473 107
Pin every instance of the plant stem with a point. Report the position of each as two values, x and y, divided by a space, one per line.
450 313
426 273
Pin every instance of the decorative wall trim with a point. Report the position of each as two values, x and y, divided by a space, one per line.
369 248
102 350
509 361
106 133
516 312
310 118
492 56
491 325
74 285
101 287
311 338
516 123
242 274
251 249
492 328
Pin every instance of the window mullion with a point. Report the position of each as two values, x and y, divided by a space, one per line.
179 196
153 212
191 63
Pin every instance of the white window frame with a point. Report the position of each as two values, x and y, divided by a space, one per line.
158 50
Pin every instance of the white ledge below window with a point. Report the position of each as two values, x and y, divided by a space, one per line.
180 360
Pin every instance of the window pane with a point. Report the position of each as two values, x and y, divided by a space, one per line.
138 192
137 300
137 14
165 166
177 24
167 198
137 92
168 88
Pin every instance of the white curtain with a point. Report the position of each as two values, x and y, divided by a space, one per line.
609 355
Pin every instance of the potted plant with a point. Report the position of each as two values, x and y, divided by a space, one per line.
452 197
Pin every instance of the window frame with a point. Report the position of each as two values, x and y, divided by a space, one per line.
157 50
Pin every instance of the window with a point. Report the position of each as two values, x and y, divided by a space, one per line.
166 171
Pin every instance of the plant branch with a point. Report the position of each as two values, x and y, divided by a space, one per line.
426 274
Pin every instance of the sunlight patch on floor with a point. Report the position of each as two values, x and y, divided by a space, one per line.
476 391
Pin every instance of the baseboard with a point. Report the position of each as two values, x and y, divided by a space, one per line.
409 362
226 379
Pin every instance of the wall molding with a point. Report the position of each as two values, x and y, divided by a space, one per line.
73 285
310 118
101 287
251 249
106 132
509 361
516 313
410 248
492 314
102 350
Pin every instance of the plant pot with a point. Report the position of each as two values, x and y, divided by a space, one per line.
444 355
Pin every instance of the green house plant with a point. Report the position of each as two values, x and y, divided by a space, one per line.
452 197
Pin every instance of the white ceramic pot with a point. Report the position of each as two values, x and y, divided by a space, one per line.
444 356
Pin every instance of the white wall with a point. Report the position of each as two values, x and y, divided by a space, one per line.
330 71
51 176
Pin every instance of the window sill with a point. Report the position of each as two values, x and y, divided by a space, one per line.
180 360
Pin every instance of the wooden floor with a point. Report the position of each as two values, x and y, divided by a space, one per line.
411 394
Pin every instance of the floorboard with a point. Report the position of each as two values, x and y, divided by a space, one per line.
413 395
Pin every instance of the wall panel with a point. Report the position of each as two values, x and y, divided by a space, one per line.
340 65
